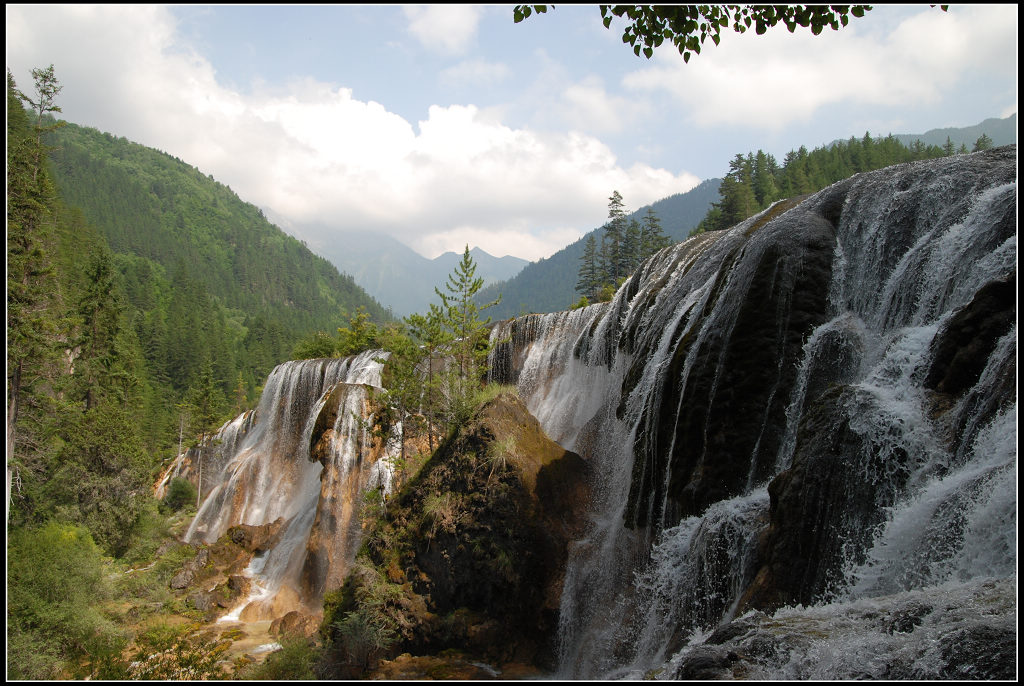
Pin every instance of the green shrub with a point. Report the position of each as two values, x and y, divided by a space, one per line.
362 637
180 493
55 580
151 530
294 662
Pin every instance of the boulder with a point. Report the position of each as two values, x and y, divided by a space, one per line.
188 573
256 539
962 348
294 622
722 425
838 467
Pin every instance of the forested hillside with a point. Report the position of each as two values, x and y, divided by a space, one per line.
757 180
151 205
549 285
999 131
146 304
216 294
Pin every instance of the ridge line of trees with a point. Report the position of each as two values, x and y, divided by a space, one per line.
756 180
753 183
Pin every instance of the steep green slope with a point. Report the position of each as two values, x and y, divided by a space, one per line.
151 205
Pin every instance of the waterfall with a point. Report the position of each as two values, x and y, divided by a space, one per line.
301 463
779 415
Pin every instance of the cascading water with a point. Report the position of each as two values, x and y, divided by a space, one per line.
816 406
307 449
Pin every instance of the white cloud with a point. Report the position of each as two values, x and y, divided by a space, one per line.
587 105
312 154
778 79
448 29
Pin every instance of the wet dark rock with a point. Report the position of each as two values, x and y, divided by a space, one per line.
239 585
980 653
904 620
963 346
825 506
730 631
726 421
706 662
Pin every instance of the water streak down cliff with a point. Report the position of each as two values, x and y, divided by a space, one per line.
300 463
815 406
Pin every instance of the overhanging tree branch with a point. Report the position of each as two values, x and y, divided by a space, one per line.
688 27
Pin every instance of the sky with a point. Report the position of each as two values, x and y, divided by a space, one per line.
451 125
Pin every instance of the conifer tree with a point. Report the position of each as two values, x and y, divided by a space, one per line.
206 400
632 254
430 331
763 179
612 252
469 333
652 238
360 334
738 201
588 280
34 320
405 385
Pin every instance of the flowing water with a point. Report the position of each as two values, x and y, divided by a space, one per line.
269 475
853 290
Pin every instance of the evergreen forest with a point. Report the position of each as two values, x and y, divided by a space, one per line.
146 304
756 180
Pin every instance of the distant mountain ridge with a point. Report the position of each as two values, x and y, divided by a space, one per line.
549 285
400 277
1001 131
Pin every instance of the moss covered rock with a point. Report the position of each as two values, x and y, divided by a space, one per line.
471 554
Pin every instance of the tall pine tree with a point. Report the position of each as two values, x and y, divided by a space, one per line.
588 281
469 333
34 320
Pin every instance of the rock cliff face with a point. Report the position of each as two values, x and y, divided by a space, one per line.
471 554
813 406
299 462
